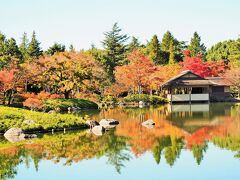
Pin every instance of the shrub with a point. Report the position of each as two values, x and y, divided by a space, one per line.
33 103
146 98
36 101
63 104
109 99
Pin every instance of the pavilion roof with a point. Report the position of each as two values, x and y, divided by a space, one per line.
188 78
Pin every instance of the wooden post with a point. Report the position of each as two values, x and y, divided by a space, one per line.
190 93
208 94
171 96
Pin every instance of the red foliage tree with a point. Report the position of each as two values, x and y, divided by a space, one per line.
204 69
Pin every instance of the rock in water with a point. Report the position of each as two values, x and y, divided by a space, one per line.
98 130
107 122
13 132
149 123
28 136
108 127
14 139
92 123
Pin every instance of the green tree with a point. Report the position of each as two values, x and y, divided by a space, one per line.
234 56
166 40
12 49
171 54
134 44
178 47
115 50
154 51
196 47
9 51
34 50
56 47
227 50
71 48
23 47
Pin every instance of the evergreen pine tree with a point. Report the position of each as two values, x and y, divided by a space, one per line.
154 51
167 38
34 50
23 47
12 49
55 48
134 44
9 51
171 53
71 48
115 49
195 46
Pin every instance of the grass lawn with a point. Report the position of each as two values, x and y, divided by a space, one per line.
15 117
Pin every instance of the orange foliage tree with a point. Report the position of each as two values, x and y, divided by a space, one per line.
138 74
232 77
68 73
35 101
10 80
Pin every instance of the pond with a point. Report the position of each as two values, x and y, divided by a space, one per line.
198 141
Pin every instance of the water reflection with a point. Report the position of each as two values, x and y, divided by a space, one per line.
177 128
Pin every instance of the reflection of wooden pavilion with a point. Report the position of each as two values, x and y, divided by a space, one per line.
190 87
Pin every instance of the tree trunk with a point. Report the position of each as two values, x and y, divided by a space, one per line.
4 98
10 97
66 94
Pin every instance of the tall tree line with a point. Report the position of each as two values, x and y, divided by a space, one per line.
116 46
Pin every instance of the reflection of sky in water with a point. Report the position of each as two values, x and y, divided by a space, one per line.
217 164
184 133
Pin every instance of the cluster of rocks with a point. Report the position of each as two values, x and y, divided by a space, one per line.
73 109
16 134
99 128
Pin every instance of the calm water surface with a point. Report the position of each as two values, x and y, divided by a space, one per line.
188 142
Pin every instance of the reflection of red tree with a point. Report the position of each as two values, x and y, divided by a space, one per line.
198 137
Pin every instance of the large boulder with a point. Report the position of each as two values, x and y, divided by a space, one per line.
13 132
107 122
98 130
149 124
92 123
16 134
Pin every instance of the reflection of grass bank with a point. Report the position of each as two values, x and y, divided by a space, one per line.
71 147
14 117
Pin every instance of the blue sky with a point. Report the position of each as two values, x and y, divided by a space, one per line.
83 22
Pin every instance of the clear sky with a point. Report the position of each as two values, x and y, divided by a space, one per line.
83 22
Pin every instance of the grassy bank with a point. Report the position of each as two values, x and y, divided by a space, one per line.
15 117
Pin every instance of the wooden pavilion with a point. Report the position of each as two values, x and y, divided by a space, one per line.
190 87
